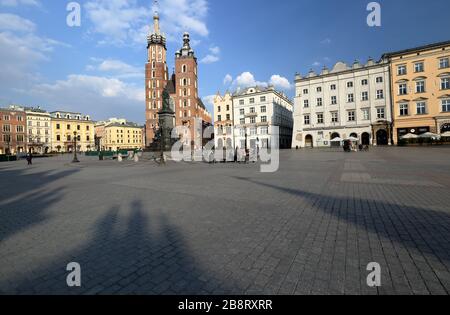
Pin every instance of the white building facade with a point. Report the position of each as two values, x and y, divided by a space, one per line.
39 129
257 111
347 101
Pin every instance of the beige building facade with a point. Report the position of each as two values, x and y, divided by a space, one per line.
223 121
122 135
420 89
66 127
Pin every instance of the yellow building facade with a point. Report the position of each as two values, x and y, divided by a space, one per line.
420 84
66 127
122 136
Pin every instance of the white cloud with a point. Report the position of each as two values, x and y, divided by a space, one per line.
280 82
209 59
21 52
12 22
116 68
316 64
209 102
215 50
228 79
213 56
247 79
178 16
98 96
122 22
117 20
103 86
15 3
326 41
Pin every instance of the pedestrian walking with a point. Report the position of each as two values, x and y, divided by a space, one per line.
30 158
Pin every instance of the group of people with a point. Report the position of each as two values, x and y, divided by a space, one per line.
350 146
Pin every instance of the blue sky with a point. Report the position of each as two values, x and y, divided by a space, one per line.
98 68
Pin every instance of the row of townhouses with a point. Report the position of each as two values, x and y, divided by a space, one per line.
379 102
28 129
247 118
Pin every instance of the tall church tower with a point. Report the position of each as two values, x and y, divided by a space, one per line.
186 97
156 77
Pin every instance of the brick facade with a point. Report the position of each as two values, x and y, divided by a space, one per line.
13 130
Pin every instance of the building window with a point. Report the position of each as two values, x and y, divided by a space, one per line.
446 105
379 80
305 91
365 96
333 87
380 94
381 113
219 117
404 110
350 98
306 103
421 108
252 120
351 116
263 109
228 117
444 63
306 120
252 101
6 128
364 82
320 118
445 83
242 111
241 102
366 114
264 130
58 126
252 110
263 119
19 129
218 108
242 121
262 99
333 100
350 84
252 131
319 89
6 117
334 117
401 70
319 102
402 89
418 67
420 87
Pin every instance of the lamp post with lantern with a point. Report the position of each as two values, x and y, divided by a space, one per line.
75 158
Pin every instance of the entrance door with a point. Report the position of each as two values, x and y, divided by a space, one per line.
382 137
365 139
309 141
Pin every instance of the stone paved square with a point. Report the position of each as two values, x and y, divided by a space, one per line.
195 228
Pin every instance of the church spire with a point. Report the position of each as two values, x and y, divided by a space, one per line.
156 18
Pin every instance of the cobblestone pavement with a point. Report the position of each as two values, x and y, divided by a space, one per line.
311 228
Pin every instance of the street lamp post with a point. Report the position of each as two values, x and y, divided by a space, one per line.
75 158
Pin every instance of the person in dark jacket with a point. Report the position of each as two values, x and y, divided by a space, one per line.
30 158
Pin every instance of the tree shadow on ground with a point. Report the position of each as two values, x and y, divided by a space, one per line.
425 230
127 254
25 197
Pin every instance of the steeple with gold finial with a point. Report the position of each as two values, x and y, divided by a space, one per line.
156 37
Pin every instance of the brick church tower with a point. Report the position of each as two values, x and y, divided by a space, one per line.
182 84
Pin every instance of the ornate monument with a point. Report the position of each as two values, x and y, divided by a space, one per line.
166 122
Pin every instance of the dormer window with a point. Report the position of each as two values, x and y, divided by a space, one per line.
67 116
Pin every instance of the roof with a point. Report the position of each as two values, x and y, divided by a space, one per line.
417 49
127 125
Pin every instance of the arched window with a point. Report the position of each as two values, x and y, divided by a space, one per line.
184 68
